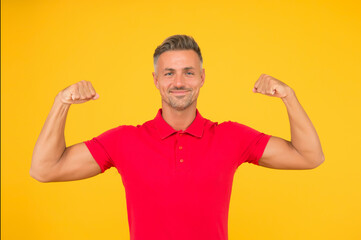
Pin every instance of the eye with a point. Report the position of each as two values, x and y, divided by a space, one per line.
168 74
190 73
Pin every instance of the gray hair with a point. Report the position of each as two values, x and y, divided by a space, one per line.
177 42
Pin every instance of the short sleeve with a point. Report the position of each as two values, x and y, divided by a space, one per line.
103 148
250 142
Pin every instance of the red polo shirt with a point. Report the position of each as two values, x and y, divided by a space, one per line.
178 183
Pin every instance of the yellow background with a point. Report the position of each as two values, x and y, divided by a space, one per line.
314 46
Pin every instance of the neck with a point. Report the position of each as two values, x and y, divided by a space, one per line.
179 120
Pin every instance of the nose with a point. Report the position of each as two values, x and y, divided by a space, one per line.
179 80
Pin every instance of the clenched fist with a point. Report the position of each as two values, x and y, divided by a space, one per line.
79 92
271 86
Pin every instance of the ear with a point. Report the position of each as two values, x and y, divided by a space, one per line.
203 76
155 79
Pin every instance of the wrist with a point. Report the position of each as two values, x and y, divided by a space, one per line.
290 95
59 102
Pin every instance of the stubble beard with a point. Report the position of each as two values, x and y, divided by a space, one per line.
180 103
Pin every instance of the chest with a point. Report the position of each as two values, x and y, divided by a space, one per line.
181 162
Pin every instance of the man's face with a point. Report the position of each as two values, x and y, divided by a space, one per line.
179 77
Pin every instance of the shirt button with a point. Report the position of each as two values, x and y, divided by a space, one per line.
181 160
181 134
180 147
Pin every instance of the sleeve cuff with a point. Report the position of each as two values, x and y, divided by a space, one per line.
260 147
99 154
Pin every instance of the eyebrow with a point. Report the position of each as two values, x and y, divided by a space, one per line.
172 69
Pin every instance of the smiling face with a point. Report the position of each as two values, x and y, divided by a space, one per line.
179 77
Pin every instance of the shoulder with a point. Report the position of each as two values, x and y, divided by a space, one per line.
129 130
123 128
224 126
227 127
117 131
232 126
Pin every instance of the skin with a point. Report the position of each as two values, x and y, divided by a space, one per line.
304 151
52 161
178 77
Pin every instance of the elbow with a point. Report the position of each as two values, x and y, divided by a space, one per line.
318 161
37 176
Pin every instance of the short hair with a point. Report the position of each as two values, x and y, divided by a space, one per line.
177 42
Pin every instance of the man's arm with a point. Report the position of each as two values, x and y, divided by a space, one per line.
52 161
304 151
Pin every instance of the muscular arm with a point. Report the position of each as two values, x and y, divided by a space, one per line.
304 151
52 160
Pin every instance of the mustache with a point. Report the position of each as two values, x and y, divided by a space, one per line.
180 89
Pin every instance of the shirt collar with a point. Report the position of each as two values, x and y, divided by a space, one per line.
165 130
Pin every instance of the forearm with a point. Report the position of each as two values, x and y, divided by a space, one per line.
51 141
304 137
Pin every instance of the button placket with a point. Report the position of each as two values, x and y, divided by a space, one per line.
180 150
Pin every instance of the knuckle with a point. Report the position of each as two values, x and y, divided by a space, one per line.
72 90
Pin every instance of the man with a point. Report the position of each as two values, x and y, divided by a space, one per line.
178 168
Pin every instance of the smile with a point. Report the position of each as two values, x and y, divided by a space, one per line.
179 92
